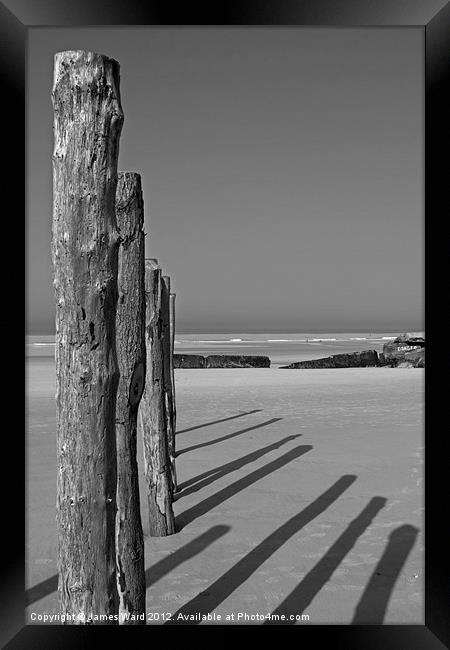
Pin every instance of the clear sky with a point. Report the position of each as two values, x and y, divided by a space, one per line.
282 171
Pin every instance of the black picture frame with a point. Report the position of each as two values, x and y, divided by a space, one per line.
16 18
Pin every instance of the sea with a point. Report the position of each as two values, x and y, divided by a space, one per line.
280 348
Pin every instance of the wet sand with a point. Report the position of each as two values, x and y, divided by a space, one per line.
302 493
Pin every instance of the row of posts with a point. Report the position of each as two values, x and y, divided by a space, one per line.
115 324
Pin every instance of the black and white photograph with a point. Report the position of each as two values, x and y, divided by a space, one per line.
225 325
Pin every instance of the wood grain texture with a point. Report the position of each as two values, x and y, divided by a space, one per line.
130 340
172 297
87 125
152 416
168 364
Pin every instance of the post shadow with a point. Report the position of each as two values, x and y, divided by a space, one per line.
212 501
153 573
215 594
192 548
299 599
231 435
232 417
41 590
373 603
202 480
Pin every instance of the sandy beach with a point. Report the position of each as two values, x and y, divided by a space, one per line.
301 493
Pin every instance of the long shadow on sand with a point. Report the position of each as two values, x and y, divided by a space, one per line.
207 424
211 502
41 590
210 598
374 601
230 435
202 480
299 599
153 573
192 548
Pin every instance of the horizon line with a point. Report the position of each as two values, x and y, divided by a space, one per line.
276 330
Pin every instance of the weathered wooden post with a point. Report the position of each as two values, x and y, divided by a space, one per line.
167 354
87 124
130 338
152 413
172 373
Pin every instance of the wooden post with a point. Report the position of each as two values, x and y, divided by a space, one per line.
152 413
167 352
172 369
87 124
130 338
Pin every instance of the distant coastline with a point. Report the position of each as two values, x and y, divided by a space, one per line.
276 345
237 337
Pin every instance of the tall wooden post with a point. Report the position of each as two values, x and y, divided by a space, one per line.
87 124
130 337
152 413
172 371
167 355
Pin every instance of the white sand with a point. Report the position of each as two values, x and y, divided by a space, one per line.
254 533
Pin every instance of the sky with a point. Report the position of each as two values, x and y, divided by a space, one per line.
282 171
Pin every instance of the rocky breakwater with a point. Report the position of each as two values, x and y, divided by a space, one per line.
236 361
188 361
219 361
404 352
364 359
